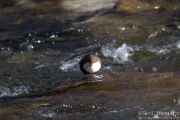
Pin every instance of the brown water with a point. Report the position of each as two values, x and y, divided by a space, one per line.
42 41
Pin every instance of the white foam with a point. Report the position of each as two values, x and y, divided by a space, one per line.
5 91
26 45
107 68
121 54
49 114
178 45
16 90
165 48
99 77
154 69
158 50
41 66
122 28
6 49
69 64
153 35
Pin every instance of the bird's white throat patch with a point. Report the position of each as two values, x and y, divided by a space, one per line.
92 68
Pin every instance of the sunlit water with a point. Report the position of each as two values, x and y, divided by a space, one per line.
36 57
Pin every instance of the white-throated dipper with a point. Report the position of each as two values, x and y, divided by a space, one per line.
90 64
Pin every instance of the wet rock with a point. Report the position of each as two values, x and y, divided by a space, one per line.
124 95
135 6
88 6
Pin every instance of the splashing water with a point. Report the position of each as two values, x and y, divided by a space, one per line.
121 54
26 45
69 64
48 114
16 90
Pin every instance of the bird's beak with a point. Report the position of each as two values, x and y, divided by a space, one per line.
90 70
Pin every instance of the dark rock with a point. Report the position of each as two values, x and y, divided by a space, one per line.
5 3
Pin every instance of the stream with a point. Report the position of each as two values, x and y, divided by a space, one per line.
42 42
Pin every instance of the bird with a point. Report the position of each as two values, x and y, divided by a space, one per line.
90 64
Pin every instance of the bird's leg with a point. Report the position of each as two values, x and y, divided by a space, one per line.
85 76
91 73
94 77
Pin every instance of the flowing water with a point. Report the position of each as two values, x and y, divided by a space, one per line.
41 43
